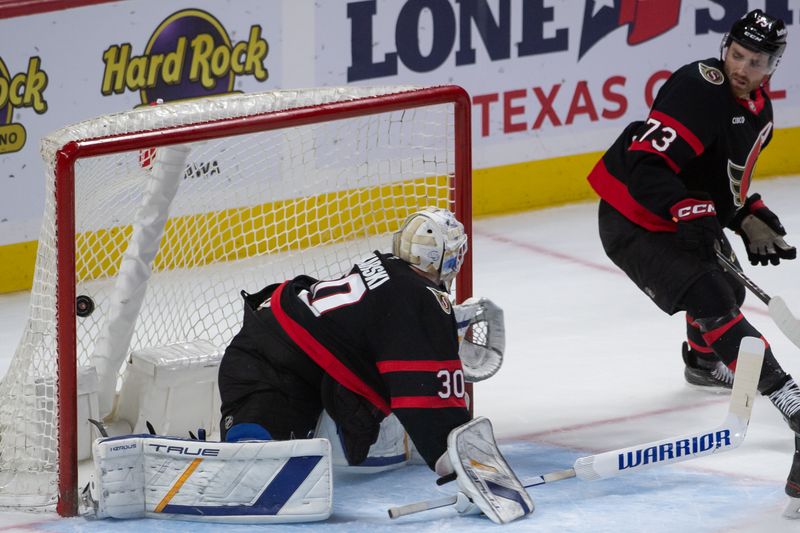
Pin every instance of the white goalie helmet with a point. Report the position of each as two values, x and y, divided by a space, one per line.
432 240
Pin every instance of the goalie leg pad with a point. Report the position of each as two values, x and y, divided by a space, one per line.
484 475
249 482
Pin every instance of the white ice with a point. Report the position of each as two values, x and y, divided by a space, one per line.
591 365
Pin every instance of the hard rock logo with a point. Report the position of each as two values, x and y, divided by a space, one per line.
189 55
24 89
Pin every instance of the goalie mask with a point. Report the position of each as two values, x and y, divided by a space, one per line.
758 32
433 241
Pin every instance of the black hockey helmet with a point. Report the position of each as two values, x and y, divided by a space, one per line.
759 32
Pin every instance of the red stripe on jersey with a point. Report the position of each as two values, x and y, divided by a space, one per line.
385 367
322 356
646 146
685 133
427 402
712 336
613 191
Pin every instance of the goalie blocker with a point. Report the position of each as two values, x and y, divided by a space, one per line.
139 476
486 483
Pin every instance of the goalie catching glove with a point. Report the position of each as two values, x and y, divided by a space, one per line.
481 336
762 233
486 482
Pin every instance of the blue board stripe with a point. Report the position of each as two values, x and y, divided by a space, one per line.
272 500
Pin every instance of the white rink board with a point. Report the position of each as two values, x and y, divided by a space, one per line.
539 89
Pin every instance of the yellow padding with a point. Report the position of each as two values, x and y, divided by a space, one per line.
560 180
16 266
501 189
239 233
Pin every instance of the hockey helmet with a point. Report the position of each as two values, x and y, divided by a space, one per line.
758 32
432 240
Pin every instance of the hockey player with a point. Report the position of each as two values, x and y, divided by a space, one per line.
382 339
669 184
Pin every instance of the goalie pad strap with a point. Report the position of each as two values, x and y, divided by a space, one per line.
249 482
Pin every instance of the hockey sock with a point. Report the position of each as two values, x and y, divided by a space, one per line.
723 335
697 343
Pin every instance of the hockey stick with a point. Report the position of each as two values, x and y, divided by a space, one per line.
776 307
727 436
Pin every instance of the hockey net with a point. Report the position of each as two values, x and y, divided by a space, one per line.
158 217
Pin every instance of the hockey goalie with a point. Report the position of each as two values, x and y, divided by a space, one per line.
328 373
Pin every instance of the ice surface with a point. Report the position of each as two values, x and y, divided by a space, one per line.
591 365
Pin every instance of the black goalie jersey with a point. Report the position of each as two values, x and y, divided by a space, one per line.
697 137
387 334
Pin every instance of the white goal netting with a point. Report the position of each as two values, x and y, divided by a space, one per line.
166 238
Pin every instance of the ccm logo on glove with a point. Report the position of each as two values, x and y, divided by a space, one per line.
691 208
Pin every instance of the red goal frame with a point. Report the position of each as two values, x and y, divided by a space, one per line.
67 156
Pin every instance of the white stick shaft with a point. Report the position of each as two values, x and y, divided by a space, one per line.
725 437
418 507
551 477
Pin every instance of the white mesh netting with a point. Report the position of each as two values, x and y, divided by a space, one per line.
247 210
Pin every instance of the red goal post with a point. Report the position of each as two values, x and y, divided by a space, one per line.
305 229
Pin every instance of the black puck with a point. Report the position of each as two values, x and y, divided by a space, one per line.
84 306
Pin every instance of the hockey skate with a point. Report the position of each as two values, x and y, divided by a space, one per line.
706 372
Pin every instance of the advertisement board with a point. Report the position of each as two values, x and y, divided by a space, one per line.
552 81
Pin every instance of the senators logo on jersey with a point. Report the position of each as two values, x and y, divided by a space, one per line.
443 299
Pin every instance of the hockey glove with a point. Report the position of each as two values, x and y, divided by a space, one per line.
762 233
481 336
358 420
698 229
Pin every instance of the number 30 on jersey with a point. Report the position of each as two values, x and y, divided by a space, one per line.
452 383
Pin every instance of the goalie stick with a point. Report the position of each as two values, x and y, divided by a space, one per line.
778 310
727 436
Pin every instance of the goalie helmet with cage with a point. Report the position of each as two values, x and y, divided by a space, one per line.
432 240
759 32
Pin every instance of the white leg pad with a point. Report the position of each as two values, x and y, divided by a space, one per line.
241 482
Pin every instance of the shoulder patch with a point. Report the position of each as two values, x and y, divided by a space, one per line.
443 299
711 74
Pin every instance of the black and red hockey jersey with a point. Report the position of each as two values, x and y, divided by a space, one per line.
697 137
387 334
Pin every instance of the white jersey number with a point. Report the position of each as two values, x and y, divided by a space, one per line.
667 135
452 383
328 295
